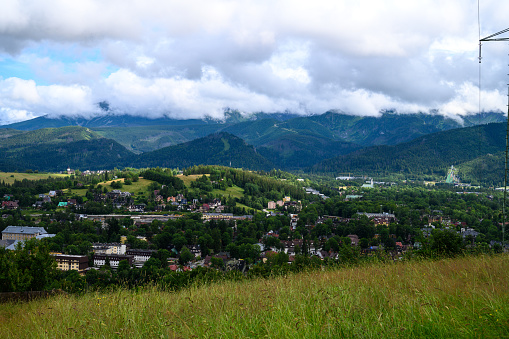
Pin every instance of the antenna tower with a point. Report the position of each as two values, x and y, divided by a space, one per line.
494 37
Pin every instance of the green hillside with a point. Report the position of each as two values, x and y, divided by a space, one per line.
84 154
428 154
60 135
283 141
388 129
55 149
101 121
141 139
8 132
140 134
488 169
297 151
215 149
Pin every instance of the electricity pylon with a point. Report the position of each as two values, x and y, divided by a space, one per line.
494 37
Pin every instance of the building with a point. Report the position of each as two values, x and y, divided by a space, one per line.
140 256
112 248
354 239
22 232
380 218
10 205
271 205
7 244
368 184
67 262
224 216
114 259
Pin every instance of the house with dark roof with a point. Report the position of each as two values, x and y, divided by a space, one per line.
6 243
10 205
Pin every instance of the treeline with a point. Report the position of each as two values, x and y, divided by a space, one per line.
32 268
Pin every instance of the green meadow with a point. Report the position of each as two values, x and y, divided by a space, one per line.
466 297
9 177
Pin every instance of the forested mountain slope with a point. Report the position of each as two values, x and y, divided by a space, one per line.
215 149
55 149
427 154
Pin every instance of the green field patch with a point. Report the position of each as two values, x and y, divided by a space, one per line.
226 144
247 207
187 179
9 177
234 192
75 192
141 186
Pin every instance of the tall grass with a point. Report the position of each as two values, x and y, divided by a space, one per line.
451 298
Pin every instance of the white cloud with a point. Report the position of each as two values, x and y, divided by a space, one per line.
466 101
197 57
9 116
19 96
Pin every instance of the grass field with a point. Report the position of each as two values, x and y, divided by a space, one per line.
451 298
135 188
187 179
234 192
9 177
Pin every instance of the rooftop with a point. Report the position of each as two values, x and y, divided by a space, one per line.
24 229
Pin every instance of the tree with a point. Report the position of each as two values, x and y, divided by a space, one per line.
185 255
116 184
29 267
364 243
216 262
163 255
445 242
123 265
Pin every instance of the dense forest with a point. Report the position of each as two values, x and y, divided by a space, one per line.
216 149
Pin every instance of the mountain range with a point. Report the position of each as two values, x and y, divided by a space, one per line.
331 142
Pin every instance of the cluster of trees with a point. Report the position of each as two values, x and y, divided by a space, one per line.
29 268
163 178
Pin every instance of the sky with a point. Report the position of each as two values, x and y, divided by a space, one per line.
196 58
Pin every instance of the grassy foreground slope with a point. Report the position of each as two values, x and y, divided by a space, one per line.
451 298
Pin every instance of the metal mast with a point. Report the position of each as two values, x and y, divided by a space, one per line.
493 37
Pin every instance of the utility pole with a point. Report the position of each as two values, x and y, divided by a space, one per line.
494 37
